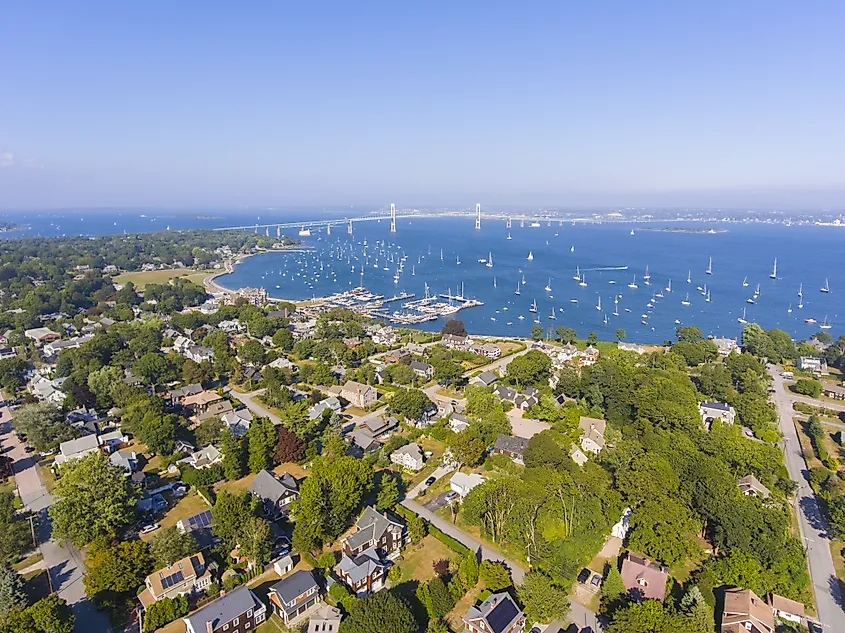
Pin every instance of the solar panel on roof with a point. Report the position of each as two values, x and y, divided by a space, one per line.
173 579
501 615
201 520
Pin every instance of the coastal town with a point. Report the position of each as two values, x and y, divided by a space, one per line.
181 457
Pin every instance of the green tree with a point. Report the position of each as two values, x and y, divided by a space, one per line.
613 590
262 444
417 529
495 575
233 455
153 368
382 612
283 339
12 591
251 352
467 448
696 609
209 431
164 611
255 541
565 334
808 387
410 404
95 499
441 600
51 614
43 425
158 431
668 399
15 536
229 514
650 616
592 338
542 600
388 491
115 568
537 332
688 334
102 381
621 334
170 545
469 569
664 529
544 451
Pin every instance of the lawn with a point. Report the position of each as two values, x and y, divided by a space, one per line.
417 563
186 506
510 347
29 560
47 474
141 279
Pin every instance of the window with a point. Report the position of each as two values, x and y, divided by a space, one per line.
235 622
225 627
249 613
248 625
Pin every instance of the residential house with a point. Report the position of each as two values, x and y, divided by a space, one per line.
112 440
488 350
325 620
750 485
362 442
41 335
232 325
578 456
205 457
238 611
409 456
423 370
711 410
621 527
592 434
7 352
294 595
745 612
375 530
631 347
385 336
199 526
77 449
458 422
463 483
182 343
276 493
381 427
833 391
813 364
283 565
486 378
588 357
726 345
363 573
357 394
643 579
238 421
562 355
199 402
513 447
177 396
523 401
127 460
215 410
331 403
284 363
183 577
497 614
455 341
351 341
47 390
786 609
54 347
401 355
198 353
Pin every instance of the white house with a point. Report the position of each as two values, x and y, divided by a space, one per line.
711 410
813 364
198 353
331 403
77 449
578 456
592 434
409 456
620 530
463 483
238 421
232 325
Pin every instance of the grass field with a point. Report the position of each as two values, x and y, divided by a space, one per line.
141 279
418 564
242 484
186 506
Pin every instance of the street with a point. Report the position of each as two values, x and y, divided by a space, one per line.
64 563
810 521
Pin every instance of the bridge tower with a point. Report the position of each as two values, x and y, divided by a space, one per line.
349 227
550 222
266 231
278 231
328 229
392 218
522 223
256 229
509 223
477 217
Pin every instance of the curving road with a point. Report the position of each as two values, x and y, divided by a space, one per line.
810 520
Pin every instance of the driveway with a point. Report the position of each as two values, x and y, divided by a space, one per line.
810 520
251 402
439 472
525 427
64 563
438 502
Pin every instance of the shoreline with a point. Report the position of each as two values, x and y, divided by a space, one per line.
214 287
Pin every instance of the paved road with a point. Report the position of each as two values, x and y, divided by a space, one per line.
810 521
64 563
836 406
252 403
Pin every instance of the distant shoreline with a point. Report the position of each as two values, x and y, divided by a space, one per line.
685 230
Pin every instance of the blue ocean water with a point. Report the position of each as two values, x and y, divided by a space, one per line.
806 255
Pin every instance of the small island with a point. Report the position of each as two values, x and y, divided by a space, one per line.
8 227
676 229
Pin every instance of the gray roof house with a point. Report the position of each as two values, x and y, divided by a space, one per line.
487 378
381 426
316 411
711 410
127 460
363 573
77 449
239 605
291 597
409 456
361 442
497 614
423 370
375 530
237 421
276 493
513 447
750 485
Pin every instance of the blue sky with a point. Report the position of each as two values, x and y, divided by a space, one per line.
197 104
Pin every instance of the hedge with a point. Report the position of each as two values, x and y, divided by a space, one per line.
448 541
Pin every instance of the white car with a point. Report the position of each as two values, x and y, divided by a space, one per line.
152 527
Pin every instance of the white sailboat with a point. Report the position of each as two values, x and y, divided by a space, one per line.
745 282
509 236
647 276
789 309
533 307
517 291
757 291
669 286
825 325
577 276
801 289
413 272
743 319
548 287
441 254
489 263
709 270
458 260
571 249
685 302
598 305
523 280
707 298
826 288
552 315
494 282
633 284
616 305
583 282
774 273
689 277
530 257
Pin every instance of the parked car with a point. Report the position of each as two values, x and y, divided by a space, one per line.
430 481
584 576
596 580
150 527
29 449
451 496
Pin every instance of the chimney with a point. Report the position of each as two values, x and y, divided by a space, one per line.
209 627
